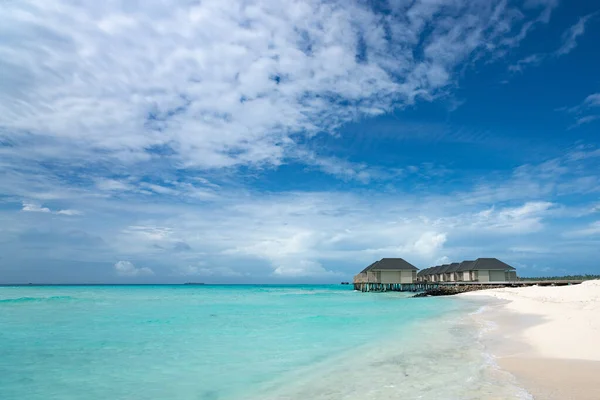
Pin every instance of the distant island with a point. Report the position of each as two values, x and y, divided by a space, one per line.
194 283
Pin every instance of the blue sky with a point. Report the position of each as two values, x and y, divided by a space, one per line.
284 141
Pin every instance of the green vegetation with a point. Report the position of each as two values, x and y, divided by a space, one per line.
561 278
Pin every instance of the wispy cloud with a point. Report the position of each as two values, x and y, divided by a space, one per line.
590 230
593 100
569 38
532 60
585 120
587 111
568 44
69 212
113 185
526 218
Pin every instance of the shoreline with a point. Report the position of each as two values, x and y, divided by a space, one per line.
547 337
455 366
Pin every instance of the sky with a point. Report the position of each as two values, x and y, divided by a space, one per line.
291 141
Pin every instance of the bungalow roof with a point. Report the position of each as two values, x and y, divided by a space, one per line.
453 267
369 267
433 269
390 264
443 269
393 264
491 263
465 266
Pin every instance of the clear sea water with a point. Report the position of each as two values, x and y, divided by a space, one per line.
240 342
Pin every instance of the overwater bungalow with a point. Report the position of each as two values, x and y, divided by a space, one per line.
433 277
426 274
388 271
396 274
480 270
441 273
464 272
421 275
450 275
492 270
431 274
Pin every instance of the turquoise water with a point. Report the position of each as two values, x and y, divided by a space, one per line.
239 342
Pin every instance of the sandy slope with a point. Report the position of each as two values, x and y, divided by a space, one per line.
549 337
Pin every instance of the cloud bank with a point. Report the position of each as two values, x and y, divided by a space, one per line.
227 83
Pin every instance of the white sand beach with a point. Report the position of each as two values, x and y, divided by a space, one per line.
548 337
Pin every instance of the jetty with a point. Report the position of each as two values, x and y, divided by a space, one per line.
458 287
398 275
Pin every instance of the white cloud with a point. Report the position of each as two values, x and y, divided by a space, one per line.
430 243
569 38
30 207
127 269
442 260
257 74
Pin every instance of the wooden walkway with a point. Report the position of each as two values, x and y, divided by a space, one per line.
424 286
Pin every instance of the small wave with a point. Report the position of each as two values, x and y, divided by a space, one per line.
480 310
35 299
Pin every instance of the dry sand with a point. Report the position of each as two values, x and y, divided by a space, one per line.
548 337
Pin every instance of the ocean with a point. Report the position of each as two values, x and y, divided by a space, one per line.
177 342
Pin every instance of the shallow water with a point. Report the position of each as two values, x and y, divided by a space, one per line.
240 342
